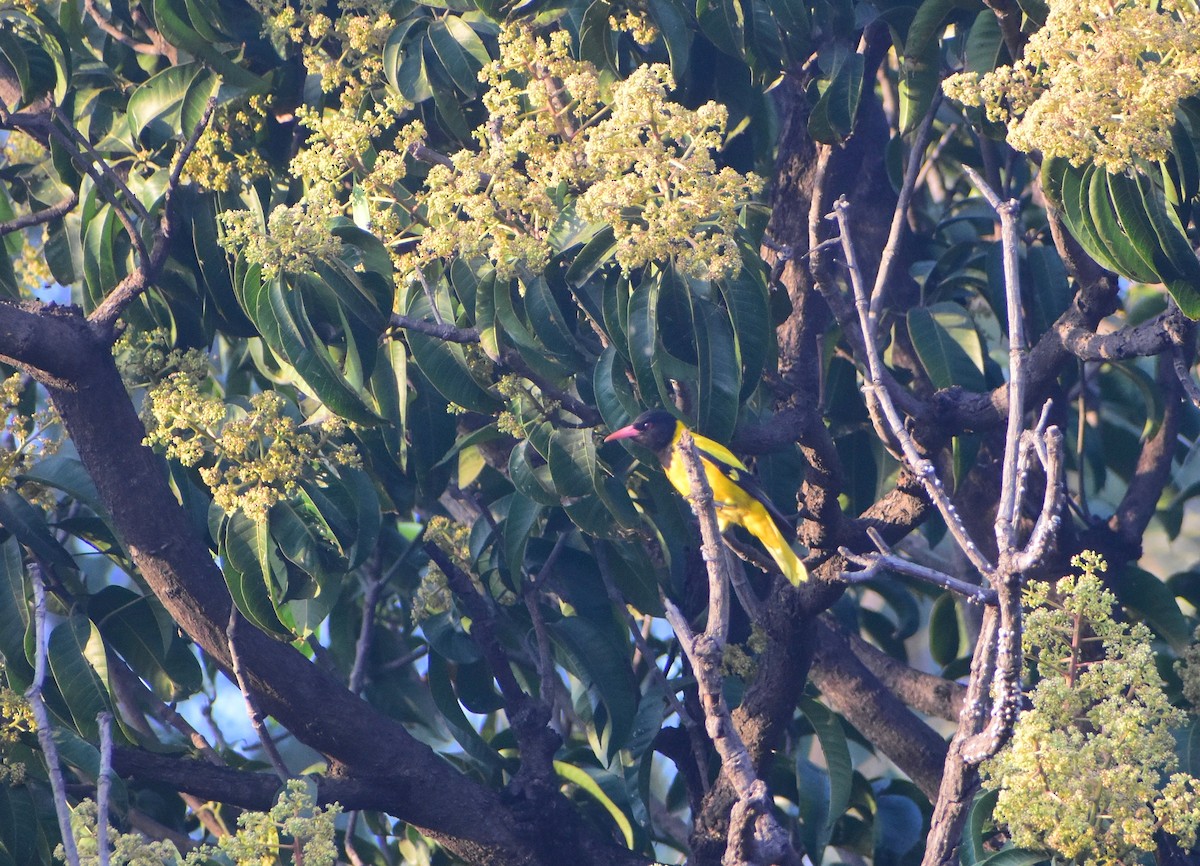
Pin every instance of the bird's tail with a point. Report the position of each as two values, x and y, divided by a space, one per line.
761 526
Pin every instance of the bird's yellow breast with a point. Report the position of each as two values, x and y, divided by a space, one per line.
733 504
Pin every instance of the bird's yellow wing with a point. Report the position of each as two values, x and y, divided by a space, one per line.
739 499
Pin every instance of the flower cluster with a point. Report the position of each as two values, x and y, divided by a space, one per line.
344 52
251 458
227 156
1188 668
260 838
24 435
1098 83
16 719
296 237
1086 772
637 23
30 266
433 595
147 357
639 163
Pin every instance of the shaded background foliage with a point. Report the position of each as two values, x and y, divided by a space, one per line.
479 396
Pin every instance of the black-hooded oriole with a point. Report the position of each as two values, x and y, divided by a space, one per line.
736 495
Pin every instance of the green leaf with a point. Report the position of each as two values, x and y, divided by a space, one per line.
671 18
127 621
460 50
154 110
579 777
14 614
445 366
602 663
979 818
897 825
400 46
985 49
597 39
596 253
833 116
945 636
21 838
642 334
440 681
1175 247
1048 291
948 345
812 784
1016 857
174 24
282 318
1136 228
412 78
28 524
1125 255
1152 600
532 350
723 21
242 549
921 69
832 737
68 475
74 651
749 309
720 383
547 320
572 456
530 474
522 519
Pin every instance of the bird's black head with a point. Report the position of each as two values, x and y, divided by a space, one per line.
653 429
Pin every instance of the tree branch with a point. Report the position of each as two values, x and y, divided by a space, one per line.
852 690
36 218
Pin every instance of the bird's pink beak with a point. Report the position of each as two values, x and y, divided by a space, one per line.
624 433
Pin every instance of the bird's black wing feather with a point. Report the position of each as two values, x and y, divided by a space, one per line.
749 483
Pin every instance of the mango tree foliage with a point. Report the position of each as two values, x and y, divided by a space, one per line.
313 319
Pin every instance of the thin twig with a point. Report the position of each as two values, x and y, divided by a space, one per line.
441 330
362 647
185 152
923 468
752 822
699 753
41 715
1185 377
347 844
891 250
40 217
104 784
252 710
121 36
874 565
529 594
133 286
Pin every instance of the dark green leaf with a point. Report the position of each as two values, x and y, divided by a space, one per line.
77 660
948 345
979 818
832 118
602 664
723 21
28 524
440 687
832 737
460 50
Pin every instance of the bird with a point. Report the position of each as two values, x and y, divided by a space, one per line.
737 496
